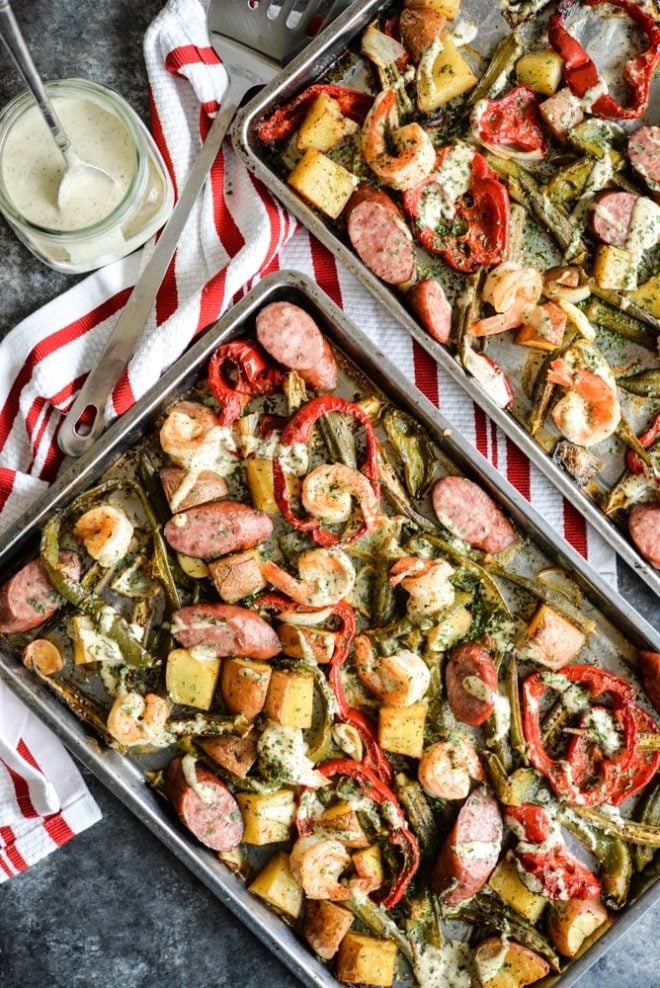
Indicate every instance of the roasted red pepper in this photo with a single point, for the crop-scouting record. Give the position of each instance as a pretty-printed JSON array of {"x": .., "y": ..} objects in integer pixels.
[
  {"x": 584, "y": 753},
  {"x": 374, "y": 756},
  {"x": 401, "y": 836},
  {"x": 533, "y": 822},
  {"x": 560, "y": 875},
  {"x": 512, "y": 122},
  {"x": 282, "y": 123},
  {"x": 648, "y": 439},
  {"x": 237, "y": 372},
  {"x": 568, "y": 778},
  {"x": 299, "y": 430},
  {"x": 477, "y": 231},
  {"x": 581, "y": 73}
]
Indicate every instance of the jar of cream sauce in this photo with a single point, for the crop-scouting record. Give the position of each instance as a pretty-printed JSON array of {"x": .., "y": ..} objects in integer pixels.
[{"x": 98, "y": 221}]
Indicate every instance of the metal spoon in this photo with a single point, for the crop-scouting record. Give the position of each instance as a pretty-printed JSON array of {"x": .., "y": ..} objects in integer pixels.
[{"x": 76, "y": 171}]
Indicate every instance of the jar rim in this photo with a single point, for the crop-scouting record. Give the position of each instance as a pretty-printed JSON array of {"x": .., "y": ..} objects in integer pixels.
[{"x": 113, "y": 102}]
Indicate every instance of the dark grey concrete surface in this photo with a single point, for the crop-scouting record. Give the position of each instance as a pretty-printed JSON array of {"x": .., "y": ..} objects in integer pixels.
[{"x": 113, "y": 908}]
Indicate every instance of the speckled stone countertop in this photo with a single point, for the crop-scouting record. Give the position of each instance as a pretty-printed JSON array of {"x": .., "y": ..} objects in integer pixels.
[{"x": 113, "y": 908}]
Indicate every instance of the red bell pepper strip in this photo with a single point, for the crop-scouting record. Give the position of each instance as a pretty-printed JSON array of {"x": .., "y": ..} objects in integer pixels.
[
  {"x": 401, "y": 836},
  {"x": 477, "y": 234},
  {"x": 282, "y": 123},
  {"x": 560, "y": 874},
  {"x": 299, "y": 430},
  {"x": 584, "y": 753},
  {"x": 612, "y": 772},
  {"x": 237, "y": 372},
  {"x": 533, "y": 822},
  {"x": 512, "y": 122},
  {"x": 581, "y": 73},
  {"x": 647, "y": 439},
  {"x": 374, "y": 756}
]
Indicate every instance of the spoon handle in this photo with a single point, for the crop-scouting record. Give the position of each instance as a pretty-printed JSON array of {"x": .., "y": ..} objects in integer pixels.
[{"x": 15, "y": 42}]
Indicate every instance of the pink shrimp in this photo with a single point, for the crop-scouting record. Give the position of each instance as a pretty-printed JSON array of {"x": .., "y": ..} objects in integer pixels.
[
  {"x": 413, "y": 155},
  {"x": 589, "y": 411}
]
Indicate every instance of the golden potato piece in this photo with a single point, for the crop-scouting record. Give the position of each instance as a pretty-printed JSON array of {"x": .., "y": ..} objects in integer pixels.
[
  {"x": 322, "y": 182},
  {"x": 541, "y": 70},
  {"x": 325, "y": 926},
  {"x": 365, "y": 960},
  {"x": 571, "y": 922},
  {"x": 401, "y": 729},
  {"x": 505, "y": 964},
  {"x": 276, "y": 885}
]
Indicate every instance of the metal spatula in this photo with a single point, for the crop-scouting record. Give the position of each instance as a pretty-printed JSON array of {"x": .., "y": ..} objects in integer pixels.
[{"x": 254, "y": 39}]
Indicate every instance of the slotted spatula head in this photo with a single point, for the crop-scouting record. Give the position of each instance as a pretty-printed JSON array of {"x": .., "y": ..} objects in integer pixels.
[{"x": 266, "y": 31}]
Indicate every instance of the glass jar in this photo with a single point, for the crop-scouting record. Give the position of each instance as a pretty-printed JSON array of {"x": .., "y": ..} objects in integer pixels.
[{"x": 86, "y": 234}]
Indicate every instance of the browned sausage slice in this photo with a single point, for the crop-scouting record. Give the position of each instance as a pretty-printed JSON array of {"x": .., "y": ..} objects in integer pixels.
[
  {"x": 379, "y": 234},
  {"x": 292, "y": 338},
  {"x": 231, "y": 630},
  {"x": 208, "y": 486},
  {"x": 431, "y": 307},
  {"x": 214, "y": 529},
  {"x": 204, "y": 804},
  {"x": 467, "y": 511},
  {"x": 471, "y": 680},
  {"x": 28, "y": 598},
  {"x": 471, "y": 849},
  {"x": 649, "y": 664},
  {"x": 644, "y": 528},
  {"x": 610, "y": 219},
  {"x": 644, "y": 154}
]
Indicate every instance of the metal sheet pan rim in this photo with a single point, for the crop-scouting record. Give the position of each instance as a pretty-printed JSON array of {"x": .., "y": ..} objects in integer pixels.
[
  {"x": 123, "y": 777},
  {"x": 288, "y": 82}
]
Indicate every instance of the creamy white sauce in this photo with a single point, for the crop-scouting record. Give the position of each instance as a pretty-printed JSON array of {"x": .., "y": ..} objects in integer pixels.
[
  {"x": 32, "y": 165},
  {"x": 282, "y": 750},
  {"x": 464, "y": 32},
  {"x": 476, "y": 687},
  {"x": 593, "y": 94},
  {"x": 501, "y": 716},
  {"x": 478, "y": 850},
  {"x": 644, "y": 229},
  {"x": 103, "y": 649},
  {"x": 599, "y": 176},
  {"x": 602, "y": 722},
  {"x": 216, "y": 451},
  {"x": 203, "y": 653},
  {"x": 204, "y": 792},
  {"x": 489, "y": 968}
]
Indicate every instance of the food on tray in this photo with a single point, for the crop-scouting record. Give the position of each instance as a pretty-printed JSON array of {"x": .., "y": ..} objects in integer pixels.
[
  {"x": 514, "y": 206},
  {"x": 358, "y": 671}
]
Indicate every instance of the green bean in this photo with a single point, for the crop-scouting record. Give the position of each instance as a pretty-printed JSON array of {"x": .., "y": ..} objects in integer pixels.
[
  {"x": 492, "y": 912},
  {"x": 647, "y": 812},
  {"x": 625, "y": 304},
  {"x": 612, "y": 853},
  {"x": 517, "y": 223},
  {"x": 606, "y": 316},
  {"x": 568, "y": 182},
  {"x": 377, "y": 920},
  {"x": 383, "y": 594},
  {"x": 553, "y": 598},
  {"x": 646, "y": 383},
  {"x": 207, "y": 726},
  {"x": 497, "y": 775},
  {"x": 149, "y": 476},
  {"x": 414, "y": 449},
  {"x": 524, "y": 188},
  {"x": 467, "y": 311},
  {"x": 506, "y": 52},
  {"x": 295, "y": 392},
  {"x": 419, "y": 813},
  {"x": 397, "y": 495},
  {"x": 628, "y": 830},
  {"x": 593, "y": 136},
  {"x": 161, "y": 562},
  {"x": 424, "y": 932},
  {"x": 516, "y": 731}
]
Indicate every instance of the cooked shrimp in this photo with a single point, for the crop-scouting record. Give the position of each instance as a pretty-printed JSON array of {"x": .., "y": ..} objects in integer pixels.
[
  {"x": 399, "y": 680},
  {"x": 317, "y": 864},
  {"x": 399, "y": 156},
  {"x": 589, "y": 411},
  {"x": 509, "y": 282},
  {"x": 136, "y": 719},
  {"x": 188, "y": 430},
  {"x": 105, "y": 532},
  {"x": 446, "y": 768},
  {"x": 427, "y": 583},
  {"x": 328, "y": 492},
  {"x": 326, "y": 577}
]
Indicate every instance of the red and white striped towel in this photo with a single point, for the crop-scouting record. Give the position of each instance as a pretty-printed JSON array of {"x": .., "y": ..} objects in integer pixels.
[
  {"x": 236, "y": 234},
  {"x": 43, "y": 799}
]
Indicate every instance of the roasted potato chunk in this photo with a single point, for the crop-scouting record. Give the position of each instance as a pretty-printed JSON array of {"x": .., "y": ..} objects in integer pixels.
[
  {"x": 365, "y": 960},
  {"x": 276, "y": 885},
  {"x": 571, "y": 922},
  {"x": 326, "y": 925}
]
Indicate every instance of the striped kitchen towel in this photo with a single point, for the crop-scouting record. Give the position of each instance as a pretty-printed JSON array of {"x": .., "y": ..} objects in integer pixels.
[
  {"x": 43, "y": 799},
  {"x": 236, "y": 234}
]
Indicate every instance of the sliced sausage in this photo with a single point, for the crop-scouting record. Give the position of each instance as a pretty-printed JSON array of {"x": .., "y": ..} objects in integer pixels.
[
  {"x": 649, "y": 664},
  {"x": 231, "y": 630},
  {"x": 467, "y": 511},
  {"x": 431, "y": 307},
  {"x": 644, "y": 528},
  {"x": 292, "y": 338},
  {"x": 379, "y": 234},
  {"x": 471, "y": 680},
  {"x": 217, "y": 528},
  {"x": 611, "y": 215},
  {"x": 28, "y": 598},
  {"x": 644, "y": 154},
  {"x": 204, "y": 804},
  {"x": 471, "y": 849},
  {"x": 208, "y": 486}
]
